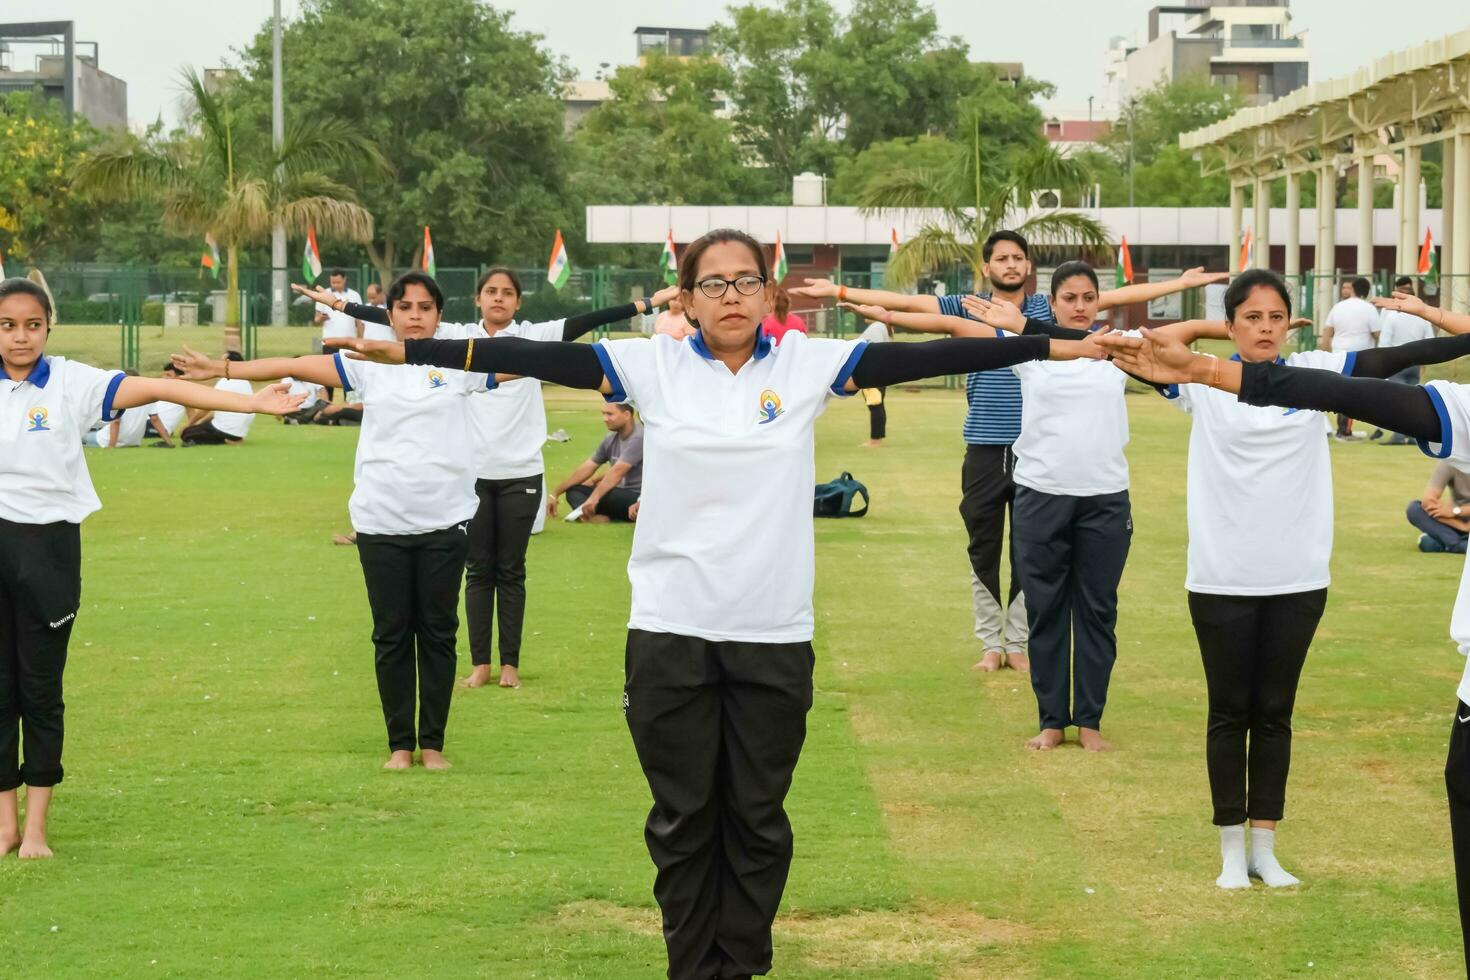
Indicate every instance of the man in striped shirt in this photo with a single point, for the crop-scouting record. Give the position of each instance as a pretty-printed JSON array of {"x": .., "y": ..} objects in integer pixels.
[{"x": 992, "y": 425}]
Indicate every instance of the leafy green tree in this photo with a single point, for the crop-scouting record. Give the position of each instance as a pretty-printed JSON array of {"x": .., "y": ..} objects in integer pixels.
[
  {"x": 467, "y": 112},
  {"x": 42, "y": 212},
  {"x": 225, "y": 179}
]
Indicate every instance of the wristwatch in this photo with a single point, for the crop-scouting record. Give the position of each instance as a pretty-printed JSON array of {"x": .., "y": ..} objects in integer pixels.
[{"x": 1455, "y": 510}]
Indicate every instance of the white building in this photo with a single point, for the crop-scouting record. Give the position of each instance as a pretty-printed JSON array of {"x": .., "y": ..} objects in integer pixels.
[{"x": 1244, "y": 45}]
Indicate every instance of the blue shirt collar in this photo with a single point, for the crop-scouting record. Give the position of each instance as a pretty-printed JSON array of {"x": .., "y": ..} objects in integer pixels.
[
  {"x": 762, "y": 344},
  {"x": 41, "y": 372}
]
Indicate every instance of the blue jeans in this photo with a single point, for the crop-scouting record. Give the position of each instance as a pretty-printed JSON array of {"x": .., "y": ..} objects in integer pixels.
[{"x": 1451, "y": 539}]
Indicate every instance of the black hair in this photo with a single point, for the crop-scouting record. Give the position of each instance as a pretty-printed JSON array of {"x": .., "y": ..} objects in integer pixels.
[
  {"x": 689, "y": 261},
  {"x": 234, "y": 355},
  {"x": 1070, "y": 270},
  {"x": 500, "y": 270},
  {"x": 1362, "y": 287},
  {"x": 24, "y": 287},
  {"x": 172, "y": 368},
  {"x": 1005, "y": 235},
  {"x": 401, "y": 284},
  {"x": 337, "y": 272},
  {"x": 1406, "y": 284},
  {"x": 1248, "y": 282}
]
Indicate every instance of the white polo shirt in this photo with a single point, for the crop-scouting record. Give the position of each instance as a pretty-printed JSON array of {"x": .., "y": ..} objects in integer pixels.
[
  {"x": 723, "y": 547},
  {"x": 171, "y": 415},
  {"x": 1354, "y": 321},
  {"x": 1260, "y": 484},
  {"x": 130, "y": 428},
  {"x": 313, "y": 392},
  {"x": 415, "y": 465},
  {"x": 1397, "y": 328},
  {"x": 338, "y": 324},
  {"x": 372, "y": 330},
  {"x": 43, "y": 473},
  {"x": 509, "y": 423},
  {"x": 1074, "y": 425},
  {"x": 1452, "y": 402},
  {"x": 234, "y": 424}
]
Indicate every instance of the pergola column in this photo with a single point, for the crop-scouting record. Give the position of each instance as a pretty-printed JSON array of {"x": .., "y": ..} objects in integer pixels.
[
  {"x": 1261, "y": 223},
  {"x": 1293, "y": 264},
  {"x": 1448, "y": 245},
  {"x": 1409, "y": 216},
  {"x": 1363, "y": 147},
  {"x": 1237, "y": 222},
  {"x": 1461, "y": 257},
  {"x": 1326, "y": 258}
]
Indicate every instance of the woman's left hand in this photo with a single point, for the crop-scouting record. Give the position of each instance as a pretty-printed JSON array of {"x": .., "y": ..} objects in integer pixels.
[
  {"x": 274, "y": 400},
  {"x": 195, "y": 366},
  {"x": 997, "y": 313},
  {"x": 874, "y": 314},
  {"x": 1196, "y": 277},
  {"x": 1155, "y": 356},
  {"x": 379, "y": 351},
  {"x": 662, "y": 297}
]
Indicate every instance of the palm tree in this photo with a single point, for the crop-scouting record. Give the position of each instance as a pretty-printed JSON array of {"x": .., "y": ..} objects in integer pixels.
[
  {"x": 225, "y": 179},
  {"x": 976, "y": 196}
]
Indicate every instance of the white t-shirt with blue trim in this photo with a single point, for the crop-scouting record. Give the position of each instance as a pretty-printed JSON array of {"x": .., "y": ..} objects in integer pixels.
[
  {"x": 43, "y": 473},
  {"x": 1259, "y": 491},
  {"x": 415, "y": 465},
  {"x": 724, "y": 548},
  {"x": 1452, "y": 403}
]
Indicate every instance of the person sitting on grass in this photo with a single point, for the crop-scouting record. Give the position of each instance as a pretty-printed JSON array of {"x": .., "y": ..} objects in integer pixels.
[
  {"x": 1445, "y": 525},
  {"x": 314, "y": 403},
  {"x": 349, "y": 413},
  {"x": 220, "y": 428},
  {"x": 615, "y": 496}
]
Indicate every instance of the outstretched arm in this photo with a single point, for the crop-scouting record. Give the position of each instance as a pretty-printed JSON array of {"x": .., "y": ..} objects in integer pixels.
[
  {"x": 317, "y": 368},
  {"x": 892, "y": 364},
  {"x": 1385, "y": 362},
  {"x": 955, "y": 326},
  {"x": 1437, "y": 315},
  {"x": 584, "y": 323},
  {"x": 1145, "y": 291},
  {"x": 898, "y": 302},
  {"x": 268, "y": 401},
  {"x": 358, "y": 311},
  {"x": 571, "y": 365}
]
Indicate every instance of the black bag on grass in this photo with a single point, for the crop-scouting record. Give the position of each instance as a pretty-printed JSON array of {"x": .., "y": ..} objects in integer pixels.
[{"x": 835, "y": 499}]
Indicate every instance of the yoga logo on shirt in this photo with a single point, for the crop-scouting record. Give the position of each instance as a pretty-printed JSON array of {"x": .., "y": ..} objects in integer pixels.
[
  {"x": 38, "y": 418},
  {"x": 436, "y": 379},
  {"x": 770, "y": 406}
]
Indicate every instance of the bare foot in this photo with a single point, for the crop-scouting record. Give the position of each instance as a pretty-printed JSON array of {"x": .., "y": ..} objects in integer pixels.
[
  {"x": 9, "y": 841},
  {"x": 1092, "y": 740},
  {"x": 434, "y": 759},
  {"x": 509, "y": 676},
  {"x": 34, "y": 846},
  {"x": 990, "y": 662},
  {"x": 1049, "y": 739},
  {"x": 479, "y": 677},
  {"x": 400, "y": 759},
  {"x": 871, "y": 443},
  {"x": 1018, "y": 662},
  {"x": 344, "y": 539}
]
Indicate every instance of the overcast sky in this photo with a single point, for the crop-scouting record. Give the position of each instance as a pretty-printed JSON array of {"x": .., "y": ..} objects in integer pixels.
[{"x": 145, "y": 42}]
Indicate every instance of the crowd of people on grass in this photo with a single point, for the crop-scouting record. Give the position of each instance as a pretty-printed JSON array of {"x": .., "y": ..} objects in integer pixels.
[{"x": 710, "y": 432}]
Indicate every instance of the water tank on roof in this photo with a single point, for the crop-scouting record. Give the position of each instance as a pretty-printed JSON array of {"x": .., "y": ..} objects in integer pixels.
[{"x": 809, "y": 190}]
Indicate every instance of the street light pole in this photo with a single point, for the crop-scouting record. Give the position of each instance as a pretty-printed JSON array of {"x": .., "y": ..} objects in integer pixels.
[{"x": 278, "y": 136}]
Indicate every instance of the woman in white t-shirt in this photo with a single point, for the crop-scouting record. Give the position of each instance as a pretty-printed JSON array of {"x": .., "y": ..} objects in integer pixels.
[
  {"x": 1260, "y": 540},
  {"x": 509, "y": 428},
  {"x": 413, "y": 499},
  {"x": 719, "y": 654},
  {"x": 46, "y": 404}
]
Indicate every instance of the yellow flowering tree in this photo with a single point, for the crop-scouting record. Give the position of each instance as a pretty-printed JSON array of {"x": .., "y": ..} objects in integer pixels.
[{"x": 40, "y": 152}]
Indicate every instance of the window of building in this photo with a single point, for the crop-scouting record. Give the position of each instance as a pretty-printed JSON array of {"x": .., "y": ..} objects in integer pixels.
[{"x": 800, "y": 254}]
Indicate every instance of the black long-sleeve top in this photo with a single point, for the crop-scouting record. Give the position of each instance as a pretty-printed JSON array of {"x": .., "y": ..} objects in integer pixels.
[
  {"x": 574, "y": 327},
  {"x": 577, "y": 365}
]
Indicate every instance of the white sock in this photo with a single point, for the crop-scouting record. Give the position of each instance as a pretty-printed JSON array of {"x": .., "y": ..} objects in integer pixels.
[
  {"x": 1233, "y": 873},
  {"x": 1263, "y": 863}
]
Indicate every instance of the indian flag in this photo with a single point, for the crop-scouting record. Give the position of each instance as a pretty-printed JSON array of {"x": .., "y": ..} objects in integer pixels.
[
  {"x": 428, "y": 264},
  {"x": 559, "y": 270},
  {"x": 311, "y": 262},
  {"x": 1429, "y": 259},
  {"x": 1245, "y": 251},
  {"x": 210, "y": 259},
  {"x": 1123, "y": 271},
  {"x": 668, "y": 262},
  {"x": 781, "y": 266}
]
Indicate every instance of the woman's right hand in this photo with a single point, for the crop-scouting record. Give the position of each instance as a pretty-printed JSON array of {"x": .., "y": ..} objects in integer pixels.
[
  {"x": 998, "y": 313},
  {"x": 325, "y": 297},
  {"x": 195, "y": 366},
  {"x": 379, "y": 351},
  {"x": 873, "y": 314},
  {"x": 815, "y": 288},
  {"x": 1155, "y": 356}
]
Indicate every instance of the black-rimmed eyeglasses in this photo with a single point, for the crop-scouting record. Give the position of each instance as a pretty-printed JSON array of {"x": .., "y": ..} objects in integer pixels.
[{"x": 714, "y": 287}]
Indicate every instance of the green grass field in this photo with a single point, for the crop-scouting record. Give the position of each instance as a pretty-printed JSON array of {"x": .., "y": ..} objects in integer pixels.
[{"x": 224, "y": 813}]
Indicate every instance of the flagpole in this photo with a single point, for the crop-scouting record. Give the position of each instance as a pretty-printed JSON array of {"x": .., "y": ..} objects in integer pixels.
[{"x": 278, "y": 136}]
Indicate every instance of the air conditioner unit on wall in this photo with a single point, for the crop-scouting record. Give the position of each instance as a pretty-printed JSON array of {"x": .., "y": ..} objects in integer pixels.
[{"x": 1048, "y": 199}]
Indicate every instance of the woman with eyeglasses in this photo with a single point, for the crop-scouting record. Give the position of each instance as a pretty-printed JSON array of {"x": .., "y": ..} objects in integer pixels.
[{"x": 719, "y": 653}]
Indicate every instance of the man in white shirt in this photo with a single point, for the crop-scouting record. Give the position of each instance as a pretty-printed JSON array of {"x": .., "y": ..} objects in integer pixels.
[
  {"x": 336, "y": 324},
  {"x": 1352, "y": 325},
  {"x": 377, "y": 331},
  {"x": 1395, "y": 329}
]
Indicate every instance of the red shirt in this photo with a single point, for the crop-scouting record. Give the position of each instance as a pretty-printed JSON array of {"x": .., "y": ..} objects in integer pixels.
[{"x": 775, "y": 329}]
